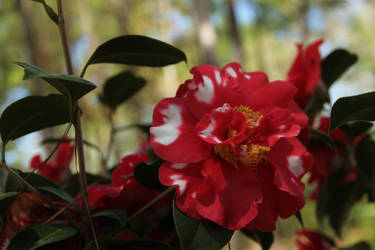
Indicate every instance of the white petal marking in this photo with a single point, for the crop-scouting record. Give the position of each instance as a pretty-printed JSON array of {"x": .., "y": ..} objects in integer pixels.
[
  {"x": 179, "y": 165},
  {"x": 218, "y": 77},
  {"x": 247, "y": 76},
  {"x": 207, "y": 132},
  {"x": 224, "y": 108},
  {"x": 231, "y": 72},
  {"x": 168, "y": 132},
  {"x": 181, "y": 184},
  {"x": 192, "y": 85},
  {"x": 295, "y": 165},
  {"x": 205, "y": 91}
]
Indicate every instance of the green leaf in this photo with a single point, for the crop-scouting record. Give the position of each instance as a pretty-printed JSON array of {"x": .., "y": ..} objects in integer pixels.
[
  {"x": 73, "y": 188},
  {"x": 69, "y": 86},
  {"x": 353, "y": 108},
  {"x": 365, "y": 157},
  {"x": 265, "y": 239},
  {"x": 148, "y": 175},
  {"x": 31, "y": 114},
  {"x": 115, "y": 214},
  {"x": 323, "y": 137},
  {"x": 35, "y": 180},
  {"x": 6, "y": 199},
  {"x": 354, "y": 129},
  {"x": 111, "y": 243},
  {"x": 50, "y": 12},
  {"x": 335, "y": 64},
  {"x": 336, "y": 198},
  {"x": 196, "y": 234},
  {"x": 298, "y": 215},
  {"x": 41, "y": 235},
  {"x": 358, "y": 246},
  {"x": 136, "y": 50},
  {"x": 58, "y": 192},
  {"x": 120, "y": 88}
]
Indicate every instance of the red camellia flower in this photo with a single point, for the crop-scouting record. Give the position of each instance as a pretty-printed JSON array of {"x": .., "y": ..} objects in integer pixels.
[
  {"x": 309, "y": 240},
  {"x": 324, "y": 155},
  {"x": 229, "y": 141},
  {"x": 57, "y": 171},
  {"x": 305, "y": 72}
]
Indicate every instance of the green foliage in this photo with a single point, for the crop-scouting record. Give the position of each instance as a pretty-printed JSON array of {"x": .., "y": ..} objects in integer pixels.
[
  {"x": 148, "y": 175},
  {"x": 69, "y": 86},
  {"x": 31, "y": 114},
  {"x": 136, "y": 50},
  {"x": 72, "y": 186},
  {"x": 110, "y": 221},
  {"x": 120, "y": 88},
  {"x": 298, "y": 215},
  {"x": 50, "y": 12},
  {"x": 115, "y": 214},
  {"x": 37, "y": 181},
  {"x": 323, "y": 137},
  {"x": 58, "y": 192},
  {"x": 335, "y": 64},
  {"x": 354, "y": 129},
  {"x": 196, "y": 234},
  {"x": 6, "y": 200},
  {"x": 336, "y": 198},
  {"x": 41, "y": 235},
  {"x": 358, "y": 246},
  {"x": 353, "y": 108},
  {"x": 111, "y": 243},
  {"x": 365, "y": 157},
  {"x": 265, "y": 239}
]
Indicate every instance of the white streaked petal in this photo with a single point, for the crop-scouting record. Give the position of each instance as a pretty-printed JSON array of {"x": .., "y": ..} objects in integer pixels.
[
  {"x": 205, "y": 91},
  {"x": 231, "y": 72},
  {"x": 295, "y": 165},
  {"x": 169, "y": 131}
]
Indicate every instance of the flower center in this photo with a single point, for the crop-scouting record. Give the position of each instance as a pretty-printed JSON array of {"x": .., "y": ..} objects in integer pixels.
[{"x": 248, "y": 153}]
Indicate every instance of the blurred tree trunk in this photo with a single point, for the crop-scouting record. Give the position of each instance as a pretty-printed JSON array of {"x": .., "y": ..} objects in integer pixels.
[
  {"x": 206, "y": 32},
  {"x": 238, "y": 54},
  {"x": 302, "y": 11},
  {"x": 259, "y": 50}
]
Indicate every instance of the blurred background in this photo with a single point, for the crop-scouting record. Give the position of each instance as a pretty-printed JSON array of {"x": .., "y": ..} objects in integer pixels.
[{"x": 260, "y": 34}]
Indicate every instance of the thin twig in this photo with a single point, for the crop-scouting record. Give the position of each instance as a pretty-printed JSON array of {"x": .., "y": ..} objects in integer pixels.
[
  {"x": 77, "y": 125},
  {"x": 110, "y": 144},
  {"x": 149, "y": 204}
]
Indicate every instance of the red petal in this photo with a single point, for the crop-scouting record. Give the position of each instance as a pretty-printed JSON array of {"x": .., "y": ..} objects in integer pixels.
[
  {"x": 291, "y": 161},
  {"x": 275, "y": 202},
  {"x": 126, "y": 167},
  {"x": 173, "y": 134}
]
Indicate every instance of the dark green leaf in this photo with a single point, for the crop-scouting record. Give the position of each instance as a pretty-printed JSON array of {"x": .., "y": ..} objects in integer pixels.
[
  {"x": 335, "y": 64},
  {"x": 35, "y": 180},
  {"x": 145, "y": 128},
  {"x": 31, "y": 114},
  {"x": 50, "y": 12},
  {"x": 358, "y": 246},
  {"x": 298, "y": 215},
  {"x": 41, "y": 235},
  {"x": 111, "y": 243},
  {"x": 6, "y": 199},
  {"x": 265, "y": 239},
  {"x": 353, "y": 129},
  {"x": 115, "y": 214},
  {"x": 136, "y": 50},
  {"x": 148, "y": 175},
  {"x": 336, "y": 198},
  {"x": 365, "y": 157},
  {"x": 196, "y": 234},
  {"x": 72, "y": 186},
  {"x": 353, "y": 108},
  {"x": 324, "y": 137},
  {"x": 120, "y": 88},
  {"x": 69, "y": 86},
  {"x": 58, "y": 192}
]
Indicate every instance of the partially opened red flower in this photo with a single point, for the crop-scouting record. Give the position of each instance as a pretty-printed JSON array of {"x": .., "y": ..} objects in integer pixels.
[
  {"x": 307, "y": 239},
  {"x": 229, "y": 141},
  {"x": 324, "y": 155},
  {"x": 305, "y": 72},
  {"x": 58, "y": 170}
]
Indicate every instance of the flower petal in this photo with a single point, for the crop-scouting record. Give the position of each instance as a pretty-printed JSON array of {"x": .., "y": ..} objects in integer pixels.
[
  {"x": 275, "y": 202},
  {"x": 291, "y": 161},
  {"x": 126, "y": 167},
  {"x": 173, "y": 135}
]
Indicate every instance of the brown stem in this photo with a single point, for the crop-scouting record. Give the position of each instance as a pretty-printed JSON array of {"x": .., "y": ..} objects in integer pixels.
[
  {"x": 110, "y": 144},
  {"x": 77, "y": 124},
  {"x": 64, "y": 40}
]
